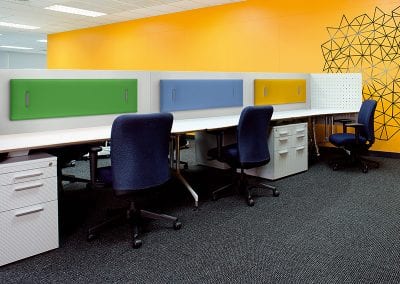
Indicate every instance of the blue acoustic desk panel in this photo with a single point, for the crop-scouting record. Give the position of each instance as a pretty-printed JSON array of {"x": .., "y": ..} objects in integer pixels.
[{"x": 177, "y": 95}]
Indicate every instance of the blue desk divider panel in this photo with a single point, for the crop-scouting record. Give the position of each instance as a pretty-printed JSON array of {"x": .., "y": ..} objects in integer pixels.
[{"x": 177, "y": 95}]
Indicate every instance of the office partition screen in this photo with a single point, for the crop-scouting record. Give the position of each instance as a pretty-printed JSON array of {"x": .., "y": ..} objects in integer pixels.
[
  {"x": 279, "y": 91},
  {"x": 47, "y": 98},
  {"x": 178, "y": 95}
]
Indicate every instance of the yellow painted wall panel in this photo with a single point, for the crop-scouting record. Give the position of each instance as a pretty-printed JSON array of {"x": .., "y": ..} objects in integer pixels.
[
  {"x": 253, "y": 35},
  {"x": 250, "y": 36},
  {"x": 279, "y": 91}
]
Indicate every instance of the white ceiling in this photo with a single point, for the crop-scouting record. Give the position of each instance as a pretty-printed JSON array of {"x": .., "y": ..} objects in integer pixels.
[{"x": 32, "y": 12}]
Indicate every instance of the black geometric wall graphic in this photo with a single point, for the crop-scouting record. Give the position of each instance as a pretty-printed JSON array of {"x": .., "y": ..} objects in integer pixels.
[{"x": 370, "y": 45}]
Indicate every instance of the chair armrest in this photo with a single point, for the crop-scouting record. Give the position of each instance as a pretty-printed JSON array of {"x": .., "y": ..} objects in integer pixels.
[
  {"x": 219, "y": 133},
  {"x": 344, "y": 121},
  {"x": 357, "y": 126},
  {"x": 95, "y": 149},
  {"x": 93, "y": 157}
]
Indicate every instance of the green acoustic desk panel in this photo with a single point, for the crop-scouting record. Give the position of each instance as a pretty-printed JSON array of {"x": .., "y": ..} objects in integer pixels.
[{"x": 46, "y": 98}]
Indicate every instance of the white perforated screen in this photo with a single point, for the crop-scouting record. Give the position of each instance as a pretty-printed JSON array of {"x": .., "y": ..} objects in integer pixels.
[{"x": 339, "y": 90}]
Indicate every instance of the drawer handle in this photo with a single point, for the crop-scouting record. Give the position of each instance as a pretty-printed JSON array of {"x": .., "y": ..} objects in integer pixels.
[
  {"x": 283, "y": 133},
  {"x": 299, "y": 130},
  {"x": 35, "y": 174},
  {"x": 283, "y": 152},
  {"x": 300, "y": 136},
  {"x": 300, "y": 148},
  {"x": 21, "y": 188},
  {"x": 29, "y": 211},
  {"x": 265, "y": 92},
  {"x": 283, "y": 139}
]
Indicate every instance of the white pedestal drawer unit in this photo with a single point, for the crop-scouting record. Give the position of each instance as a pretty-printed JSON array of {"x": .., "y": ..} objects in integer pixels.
[
  {"x": 28, "y": 206},
  {"x": 288, "y": 150}
]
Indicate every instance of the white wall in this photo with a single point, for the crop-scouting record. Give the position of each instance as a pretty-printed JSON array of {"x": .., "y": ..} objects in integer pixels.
[{"x": 20, "y": 60}]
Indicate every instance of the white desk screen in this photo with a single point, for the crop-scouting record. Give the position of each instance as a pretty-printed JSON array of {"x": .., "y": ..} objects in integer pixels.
[{"x": 339, "y": 90}]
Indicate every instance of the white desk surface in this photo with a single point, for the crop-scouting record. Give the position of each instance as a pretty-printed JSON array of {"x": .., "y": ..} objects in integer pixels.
[{"x": 36, "y": 140}]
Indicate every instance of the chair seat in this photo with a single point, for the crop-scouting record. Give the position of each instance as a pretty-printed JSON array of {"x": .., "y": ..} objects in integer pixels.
[
  {"x": 345, "y": 139},
  {"x": 230, "y": 155}
]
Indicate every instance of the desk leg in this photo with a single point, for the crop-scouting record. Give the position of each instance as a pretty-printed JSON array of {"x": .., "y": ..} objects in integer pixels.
[
  {"x": 171, "y": 153},
  {"x": 328, "y": 126},
  {"x": 313, "y": 123},
  {"x": 178, "y": 171}
]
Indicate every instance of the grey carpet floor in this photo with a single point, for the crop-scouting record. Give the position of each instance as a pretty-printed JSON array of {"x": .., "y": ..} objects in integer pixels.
[{"x": 325, "y": 227}]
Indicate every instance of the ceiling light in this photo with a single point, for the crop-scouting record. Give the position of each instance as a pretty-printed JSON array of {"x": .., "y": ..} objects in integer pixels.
[
  {"x": 15, "y": 47},
  {"x": 18, "y": 26},
  {"x": 72, "y": 10},
  {"x": 42, "y": 40}
]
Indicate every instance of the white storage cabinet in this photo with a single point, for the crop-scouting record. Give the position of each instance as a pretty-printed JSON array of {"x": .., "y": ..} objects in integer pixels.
[
  {"x": 288, "y": 147},
  {"x": 28, "y": 206}
]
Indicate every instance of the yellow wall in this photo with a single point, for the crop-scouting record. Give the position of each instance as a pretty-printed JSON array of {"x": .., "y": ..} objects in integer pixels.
[{"x": 254, "y": 35}]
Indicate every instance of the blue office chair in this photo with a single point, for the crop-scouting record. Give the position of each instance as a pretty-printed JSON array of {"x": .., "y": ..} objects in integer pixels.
[
  {"x": 358, "y": 143},
  {"x": 139, "y": 164},
  {"x": 250, "y": 150}
]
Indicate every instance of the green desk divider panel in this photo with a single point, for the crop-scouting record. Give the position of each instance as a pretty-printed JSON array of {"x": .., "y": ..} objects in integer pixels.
[{"x": 46, "y": 98}]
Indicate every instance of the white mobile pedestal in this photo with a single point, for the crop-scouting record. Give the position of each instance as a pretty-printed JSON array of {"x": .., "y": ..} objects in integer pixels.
[
  {"x": 28, "y": 206},
  {"x": 288, "y": 152},
  {"x": 288, "y": 148}
]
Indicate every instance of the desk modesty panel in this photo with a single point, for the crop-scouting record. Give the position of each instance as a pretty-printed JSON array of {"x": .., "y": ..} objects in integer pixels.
[{"x": 46, "y": 98}]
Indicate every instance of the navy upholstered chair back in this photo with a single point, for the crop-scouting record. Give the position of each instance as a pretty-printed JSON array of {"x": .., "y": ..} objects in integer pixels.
[
  {"x": 252, "y": 135},
  {"x": 249, "y": 151},
  {"x": 139, "y": 151},
  {"x": 366, "y": 117}
]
